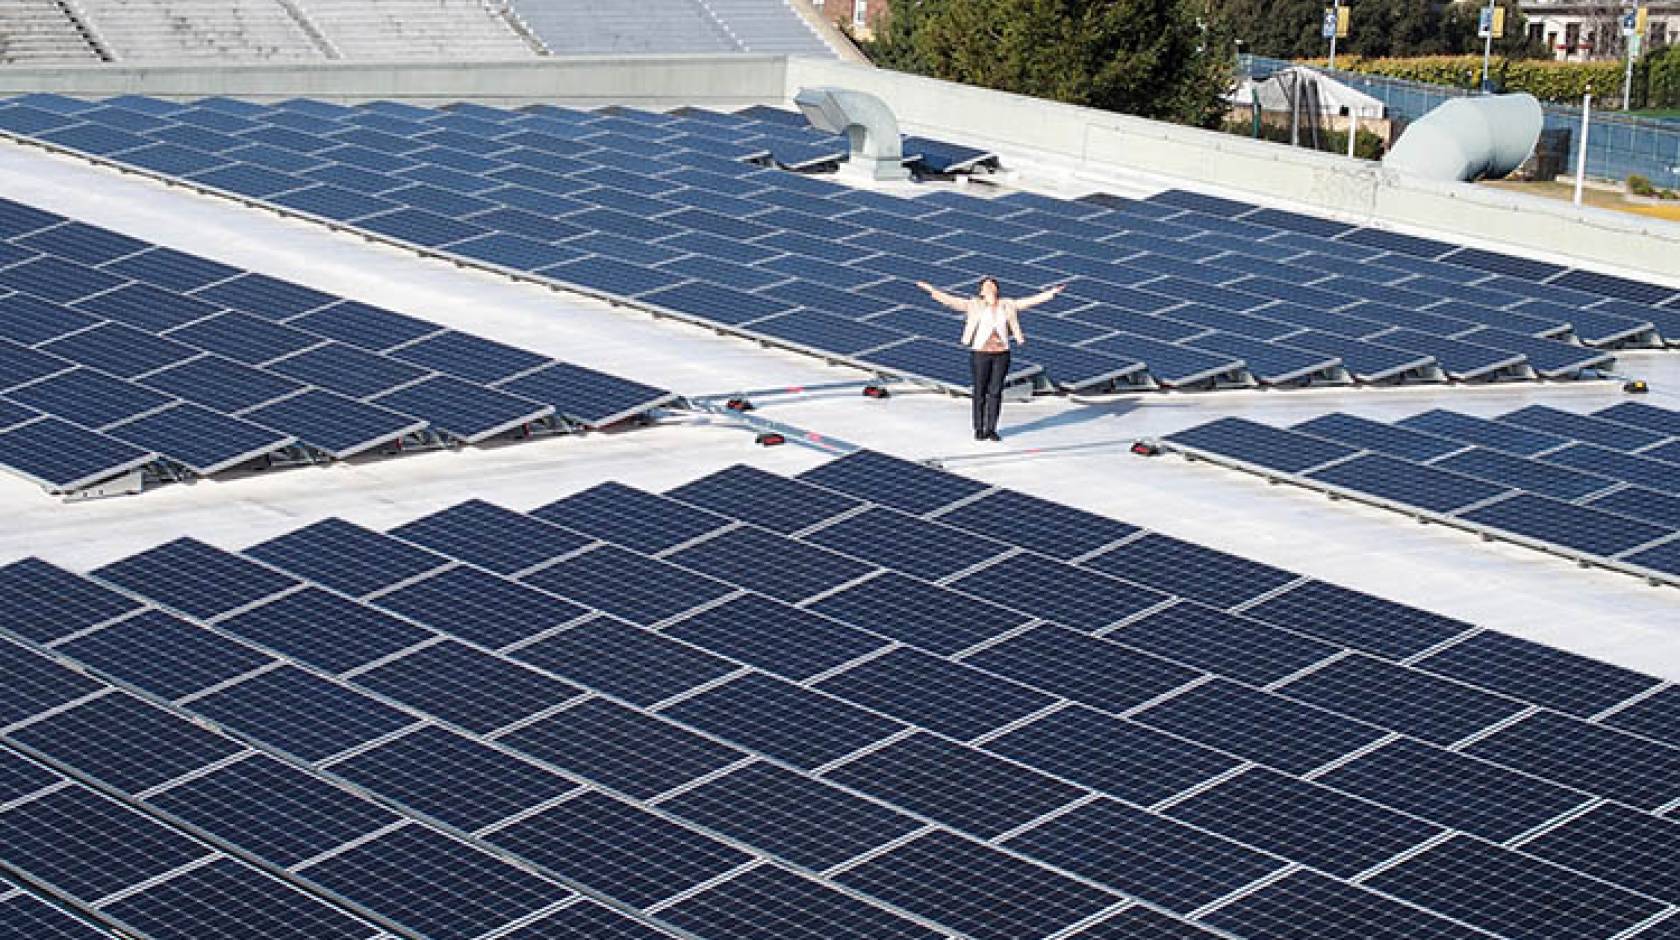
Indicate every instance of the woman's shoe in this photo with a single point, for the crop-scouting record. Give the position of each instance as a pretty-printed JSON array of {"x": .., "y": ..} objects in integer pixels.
[{"x": 993, "y": 436}]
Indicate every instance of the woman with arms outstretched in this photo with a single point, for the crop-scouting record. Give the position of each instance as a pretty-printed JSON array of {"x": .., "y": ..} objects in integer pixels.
[{"x": 991, "y": 322}]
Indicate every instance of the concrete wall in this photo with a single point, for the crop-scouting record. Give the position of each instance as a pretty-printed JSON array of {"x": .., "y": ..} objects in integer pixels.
[
  {"x": 652, "y": 81},
  {"x": 1099, "y": 145},
  {"x": 1094, "y": 148}
]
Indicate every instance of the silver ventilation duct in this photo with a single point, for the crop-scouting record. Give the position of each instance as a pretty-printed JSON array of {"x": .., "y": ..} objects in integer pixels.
[
  {"x": 877, "y": 149},
  {"x": 1468, "y": 139}
]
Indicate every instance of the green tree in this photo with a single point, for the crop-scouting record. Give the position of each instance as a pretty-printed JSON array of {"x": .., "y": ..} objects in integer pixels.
[
  {"x": 1460, "y": 22},
  {"x": 1152, "y": 58}
]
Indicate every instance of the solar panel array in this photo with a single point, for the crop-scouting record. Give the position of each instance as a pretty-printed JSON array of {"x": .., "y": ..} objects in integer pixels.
[
  {"x": 874, "y": 701},
  {"x": 1601, "y": 487},
  {"x": 676, "y": 213},
  {"x": 117, "y": 354}
]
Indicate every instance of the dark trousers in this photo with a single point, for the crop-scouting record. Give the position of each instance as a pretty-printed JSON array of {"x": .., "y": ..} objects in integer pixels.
[{"x": 989, "y": 371}]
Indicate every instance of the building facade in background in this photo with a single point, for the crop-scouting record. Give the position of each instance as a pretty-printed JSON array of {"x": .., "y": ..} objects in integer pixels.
[{"x": 1577, "y": 31}]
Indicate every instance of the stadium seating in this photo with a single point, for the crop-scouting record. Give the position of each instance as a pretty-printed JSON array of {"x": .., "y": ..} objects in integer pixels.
[
  {"x": 575, "y": 27},
  {"x": 767, "y": 26},
  {"x": 245, "y": 30},
  {"x": 416, "y": 29},
  {"x": 41, "y": 31}
]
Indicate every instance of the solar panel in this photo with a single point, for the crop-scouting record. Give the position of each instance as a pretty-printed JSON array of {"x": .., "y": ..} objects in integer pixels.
[
  {"x": 228, "y": 899},
  {"x": 928, "y": 550},
  {"x": 220, "y": 384},
  {"x": 338, "y": 426},
  {"x": 479, "y": 607},
  {"x": 641, "y": 521},
  {"x": 947, "y": 697},
  {"x": 1600, "y": 760},
  {"x": 36, "y": 684},
  {"x": 1362, "y": 621},
  {"x": 625, "y": 661},
  {"x": 764, "y": 499},
  {"x": 434, "y": 885},
  {"x": 88, "y": 398},
  {"x": 267, "y": 297},
  {"x": 248, "y": 339},
  {"x": 347, "y": 370},
  {"x": 982, "y": 891},
  {"x": 1406, "y": 700},
  {"x": 1305, "y": 900},
  {"x": 1612, "y": 434},
  {"x": 593, "y": 399},
  {"x": 204, "y": 441},
  {"x": 20, "y": 364},
  {"x": 1328, "y": 830},
  {"x": 364, "y": 325},
  {"x": 629, "y": 751},
  {"x": 1624, "y": 846},
  {"x": 771, "y": 564},
  {"x": 1085, "y": 669},
  {"x": 586, "y": 920},
  {"x": 776, "y": 637},
  {"x": 346, "y": 557},
  {"x": 1167, "y": 564},
  {"x": 892, "y": 481},
  {"x": 194, "y": 578},
  {"x": 770, "y": 902},
  {"x": 1390, "y": 439},
  {"x": 19, "y": 778},
  {"x": 1634, "y": 468},
  {"x": 790, "y": 815},
  {"x": 325, "y": 630},
  {"x": 43, "y": 603},
  {"x": 491, "y": 537},
  {"x": 1649, "y": 417},
  {"x": 88, "y": 846},
  {"x": 164, "y": 655},
  {"x": 283, "y": 814},
  {"x": 606, "y": 844},
  {"x": 300, "y": 714},
  {"x": 639, "y": 589},
  {"x": 125, "y": 743},
  {"x": 783, "y": 720},
  {"x": 62, "y": 457},
  {"x": 1514, "y": 895},
  {"x": 452, "y": 778},
  {"x": 966, "y": 789},
  {"x": 1655, "y": 716},
  {"x": 1582, "y": 528},
  {"x": 1225, "y": 644},
  {"x": 1408, "y": 483},
  {"x": 1552, "y": 677},
  {"x": 822, "y": 333},
  {"x": 25, "y": 915},
  {"x": 1074, "y": 597},
  {"x": 919, "y": 613},
  {"x": 1259, "y": 726},
  {"x": 1497, "y": 435}
]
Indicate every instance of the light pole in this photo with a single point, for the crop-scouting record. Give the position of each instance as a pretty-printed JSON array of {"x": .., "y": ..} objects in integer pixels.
[
  {"x": 1487, "y": 42},
  {"x": 1333, "y": 27}
]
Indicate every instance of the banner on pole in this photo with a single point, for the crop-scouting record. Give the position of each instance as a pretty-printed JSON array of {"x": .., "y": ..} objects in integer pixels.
[{"x": 1491, "y": 24}]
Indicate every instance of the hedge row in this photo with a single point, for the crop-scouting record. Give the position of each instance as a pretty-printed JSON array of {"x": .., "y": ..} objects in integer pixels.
[{"x": 1543, "y": 78}]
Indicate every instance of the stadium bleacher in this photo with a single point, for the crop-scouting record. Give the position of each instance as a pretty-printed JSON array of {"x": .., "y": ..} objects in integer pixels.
[
  {"x": 384, "y": 30},
  {"x": 184, "y": 30},
  {"x": 43, "y": 31}
]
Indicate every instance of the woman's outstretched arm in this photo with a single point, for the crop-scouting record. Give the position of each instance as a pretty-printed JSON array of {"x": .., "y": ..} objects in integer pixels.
[
  {"x": 949, "y": 300},
  {"x": 1040, "y": 297}
]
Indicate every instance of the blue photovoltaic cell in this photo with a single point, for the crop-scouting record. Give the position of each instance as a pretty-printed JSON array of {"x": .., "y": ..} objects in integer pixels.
[
  {"x": 13, "y": 414},
  {"x": 1599, "y": 760},
  {"x": 1195, "y": 571},
  {"x": 1362, "y": 621},
  {"x": 625, "y": 661},
  {"x": 1632, "y": 849},
  {"x": 979, "y": 890},
  {"x": 166, "y": 656},
  {"x": 341, "y": 427},
  {"x": 29, "y": 320},
  {"x": 945, "y": 696},
  {"x": 194, "y": 578},
  {"x": 1514, "y": 895},
  {"x": 776, "y": 637},
  {"x": 1579, "y": 527},
  {"x": 1535, "y": 476},
  {"x": 479, "y": 607},
  {"x": 587, "y": 920},
  {"x": 771, "y": 903},
  {"x": 771, "y": 564},
  {"x": 920, "y": 614},
  {"x": 43, "y": 603},
  {"x": 144, "y": 306},
  {"x": 621, "y": 748},
  {"x": 1649, "y": 417},
  {"x": 325, "y": 630},
  {"x": 228, "y": 899},
  {"x": 1406, "y": 700},
  {"x": 348, "y": 370},
  {"x": 1454, "y": 790},
  {"x": 1142, "y": 923},
  {"x": 593, "y": 399},
  {"x": 469, "y": 357},
  {"x": 638, "y": 520},
  {"x": 300, "y": 714},
  {"x": 1259, "y": 444},
  {"x": 792, "y": 816},
  {"x": 1086, "y": 669},
  {"x": 125, "y": 742},
  {"x": 1497, "y": 435},
  {"x": 220, "y": 384},
  {"x": 1144, "y": 855},
  {"x": 1582, "y": 427},
  {"x": 36, "y": 684},
  {"x": 464, "y": 783},
  {"x": 202, "y": 440},
  {"x": 764, "y": 499},
  {"x": 20, "y": 778},
  {"x": 1299, "y": 820},
  {"x": 346, "y": 557},
  {"x": 1039, "y": 524},
  {"x": 1111, "y": 755},
  {"x": 88, "y": 846},
  {"x": 61, "y": 456},
  {"x": 1308, "y": 901},
  {"x": 27, "y": 917},
  {"x": 901, "y": 484},
  {"x": 436, "y": 886},
  {"x": 364, "y": 325},
  {"x": 1074, "y": 597},
  {"x": 267, "y": 297},
  {"x": 1393, "y": 440},
  {"x": 783, "y": 720},
  {"x": 491, "y": 537},
  {"x": 966, "y": 789},
  {"x": 628, "y": 853},
  {"x": 1633, "y": 468},
  {"x": 420, "y": 227},
  {"x": 1655, "y": 716},
  {"x": 88, "y": 398},
  {"x": 272, "y": 809},
  {"x": 246, "y": 338},
  {"x": 905, "y": 543},
  {"x": 1536, "y": 673},
  {"x": 1222, "y": 643},
  {"x": 1260, "y": 726},
  {"x": 640, "y": 589}
]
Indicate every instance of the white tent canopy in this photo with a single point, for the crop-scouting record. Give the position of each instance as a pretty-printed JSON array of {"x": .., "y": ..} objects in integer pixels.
[{"x": 1334, "y": 97}]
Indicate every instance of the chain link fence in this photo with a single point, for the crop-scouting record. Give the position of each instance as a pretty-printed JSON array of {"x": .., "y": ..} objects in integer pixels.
[{"x": 1617, "y": 144}]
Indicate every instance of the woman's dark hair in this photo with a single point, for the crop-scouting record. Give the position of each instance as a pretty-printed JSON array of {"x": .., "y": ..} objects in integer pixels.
[{"x": 995, "y": 285}]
